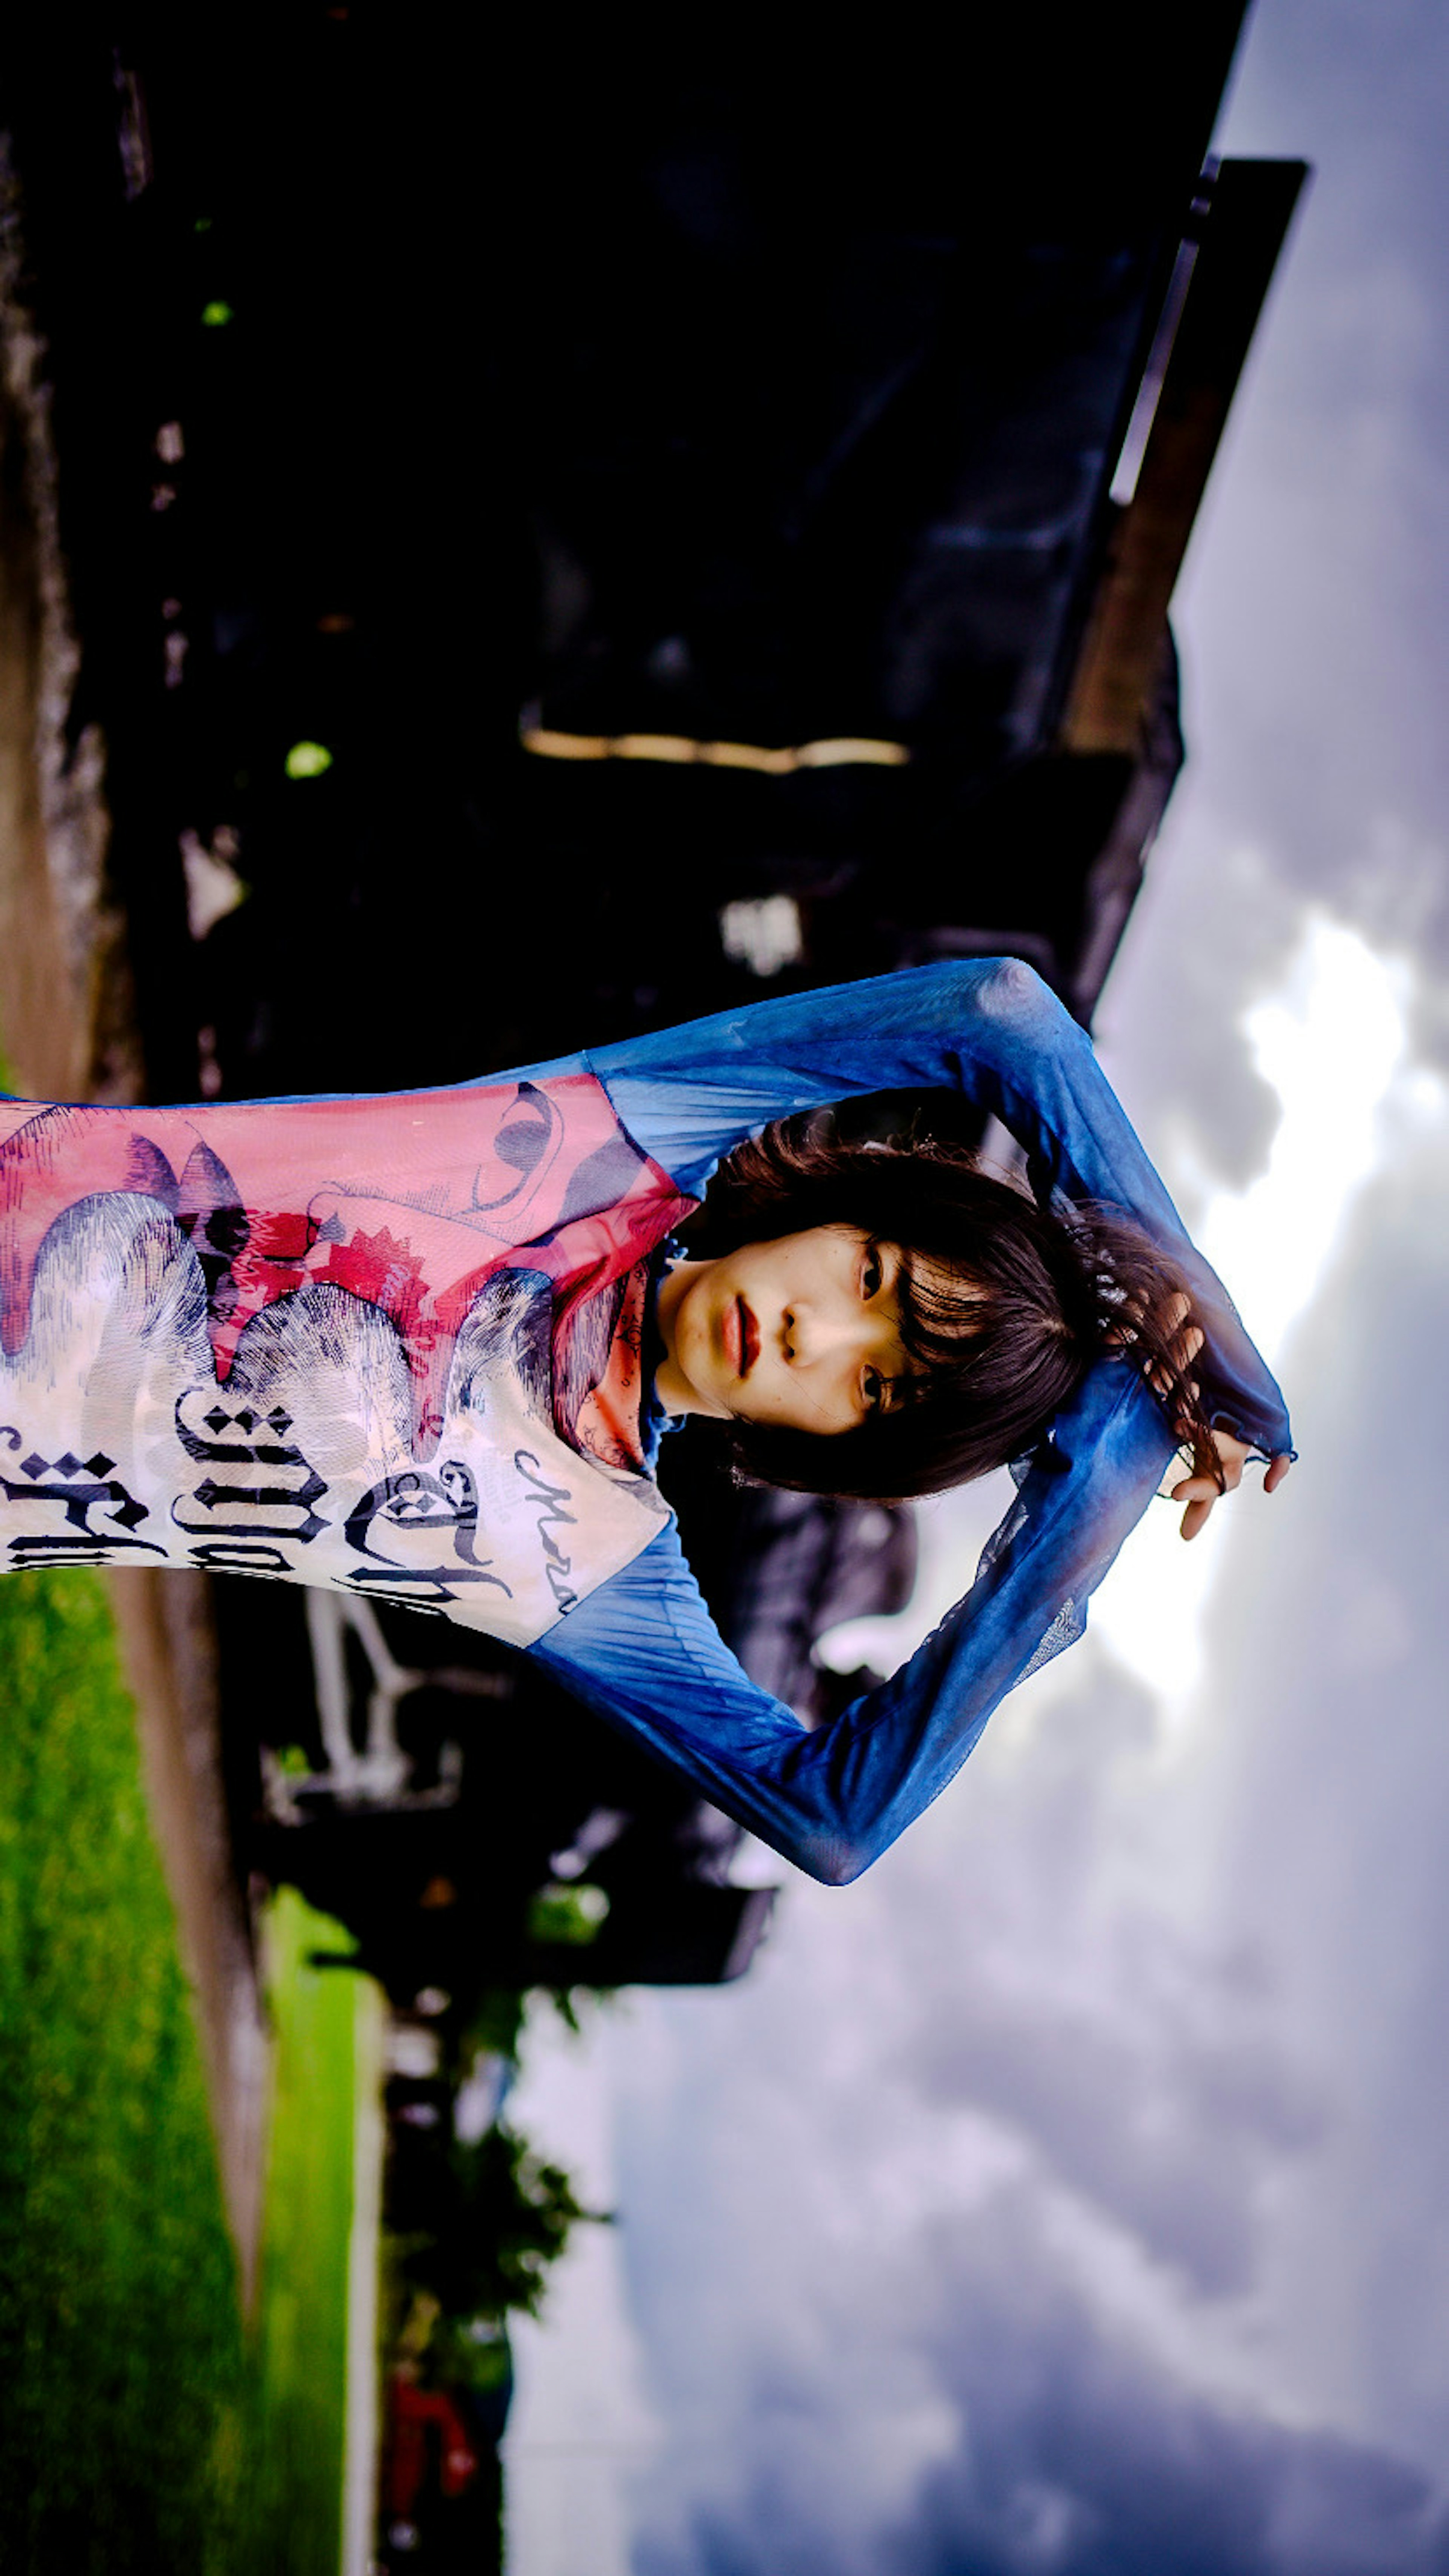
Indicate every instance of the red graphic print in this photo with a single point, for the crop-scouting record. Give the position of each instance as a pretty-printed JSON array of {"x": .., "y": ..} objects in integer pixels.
[{"x": 409, "y": 1203}]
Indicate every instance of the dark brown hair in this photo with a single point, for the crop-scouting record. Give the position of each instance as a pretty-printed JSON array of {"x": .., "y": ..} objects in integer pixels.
[{"x": 1005, "y": 1306}]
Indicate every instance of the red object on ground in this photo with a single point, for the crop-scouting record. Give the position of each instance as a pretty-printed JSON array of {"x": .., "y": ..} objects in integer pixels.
[{"x": 411, "y": 2412}]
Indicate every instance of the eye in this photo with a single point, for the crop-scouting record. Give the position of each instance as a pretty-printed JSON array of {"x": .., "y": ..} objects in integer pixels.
[
  {"x": 872, "y": 1390},
  {"x": 871, "y": 1272}
]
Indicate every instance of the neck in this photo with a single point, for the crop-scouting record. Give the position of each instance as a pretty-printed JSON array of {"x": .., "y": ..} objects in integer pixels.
[
  {"x": 671, "y": 1385},
  {"x": 671, "y": 1388}
]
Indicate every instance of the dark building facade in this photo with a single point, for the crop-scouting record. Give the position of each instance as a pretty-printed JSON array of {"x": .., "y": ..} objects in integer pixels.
[{"x": 566, "y": 536}]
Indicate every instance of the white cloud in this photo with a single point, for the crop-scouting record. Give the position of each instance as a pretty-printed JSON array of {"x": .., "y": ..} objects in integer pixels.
[{"x": 1332, "y": 1043}]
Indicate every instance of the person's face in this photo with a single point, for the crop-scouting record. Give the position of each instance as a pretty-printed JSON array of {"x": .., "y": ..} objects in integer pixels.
[{"x": 802, "y": 1334}]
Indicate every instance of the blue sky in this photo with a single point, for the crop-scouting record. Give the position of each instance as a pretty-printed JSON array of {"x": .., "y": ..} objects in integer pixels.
[{"x": 1072, "y": 2195}]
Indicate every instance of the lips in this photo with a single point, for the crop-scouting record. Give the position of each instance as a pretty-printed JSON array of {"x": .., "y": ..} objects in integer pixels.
[
  {"x": 740, "y": 1335},
  {"x": 749, "y": 1337}
]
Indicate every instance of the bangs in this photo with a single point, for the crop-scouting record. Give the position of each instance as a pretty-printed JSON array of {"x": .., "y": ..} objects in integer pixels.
[{"x": 943, "y": 1312}]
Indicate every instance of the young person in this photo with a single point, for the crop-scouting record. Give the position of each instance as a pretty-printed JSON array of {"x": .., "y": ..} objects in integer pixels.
[{"x": 423, "y": 1347}]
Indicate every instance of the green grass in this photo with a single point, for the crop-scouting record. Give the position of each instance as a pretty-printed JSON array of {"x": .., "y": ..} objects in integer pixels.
[
  {"x": 122, "y": 2380},
  {"x": 140, "y": 2428},
  {"x": 323, "y": 2021}
]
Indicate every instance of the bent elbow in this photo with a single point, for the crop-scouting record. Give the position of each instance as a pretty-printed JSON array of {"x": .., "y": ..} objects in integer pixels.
[
  {"x": 833, "y": 1861},
  {"x": 1015, "y": 993}
]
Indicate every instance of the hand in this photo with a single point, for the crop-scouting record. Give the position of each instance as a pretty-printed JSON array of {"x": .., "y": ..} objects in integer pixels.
[
  {"x": 1183, "y": 1339},
  {"x": 1185, "y": 1343},
  {"x": 1200, "y": 1493}
]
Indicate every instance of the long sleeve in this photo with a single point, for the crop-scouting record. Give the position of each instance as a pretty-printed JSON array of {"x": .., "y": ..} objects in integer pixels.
[{"x": 642, "y": 1648}]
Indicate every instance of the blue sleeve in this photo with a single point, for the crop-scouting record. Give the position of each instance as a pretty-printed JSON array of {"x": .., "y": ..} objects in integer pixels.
[
  {"x": 987, "y": 1027},
  {"x": 643, "y": 1650}
]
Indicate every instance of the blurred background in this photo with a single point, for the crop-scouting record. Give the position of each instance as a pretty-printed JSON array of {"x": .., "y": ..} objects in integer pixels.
[{"x": 510, "y": 541}]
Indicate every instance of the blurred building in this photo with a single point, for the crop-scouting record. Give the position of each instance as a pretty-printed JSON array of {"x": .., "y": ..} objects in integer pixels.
[{"x": 564, "y": 537}]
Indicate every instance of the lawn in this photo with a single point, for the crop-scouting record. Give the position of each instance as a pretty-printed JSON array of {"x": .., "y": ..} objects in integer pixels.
[
  {"x": 328, "y": 2027},
  {"x": 140, "y": 2427},
  {"x": 121, "y": 2350}
]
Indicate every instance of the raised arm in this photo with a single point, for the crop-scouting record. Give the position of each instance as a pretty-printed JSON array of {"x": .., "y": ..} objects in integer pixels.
[{"x": 643, "y": 1650}]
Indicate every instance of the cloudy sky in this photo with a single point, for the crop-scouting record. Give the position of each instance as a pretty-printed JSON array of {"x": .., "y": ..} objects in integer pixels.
[{"x": 1071, "y": 2196}]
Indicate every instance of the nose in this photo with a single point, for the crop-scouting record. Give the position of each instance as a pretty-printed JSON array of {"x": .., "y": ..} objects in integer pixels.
[{"x": 818, "y": 1332}]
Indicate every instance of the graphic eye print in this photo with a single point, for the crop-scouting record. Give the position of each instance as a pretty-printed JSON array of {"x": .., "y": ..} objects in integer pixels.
[{"x": 529, "y": 1139}]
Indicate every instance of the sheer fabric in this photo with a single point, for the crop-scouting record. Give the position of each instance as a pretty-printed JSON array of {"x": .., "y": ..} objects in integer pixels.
[{"x": 395, "y": 1344}]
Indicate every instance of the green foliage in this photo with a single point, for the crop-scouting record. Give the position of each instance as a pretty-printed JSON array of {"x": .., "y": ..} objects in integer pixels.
[
  {"x": 121, "y": 2357},
  {"x": 470, "y": 2352},
  {"x": 567, "y": 1912},
  {"x": 495, "y": 2026},
  {"x": 503, "y": 2215}
]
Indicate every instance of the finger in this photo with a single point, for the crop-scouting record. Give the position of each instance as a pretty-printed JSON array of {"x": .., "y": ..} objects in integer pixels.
[
  {"x": 1276, "y": 1473},
  {"x": 1166, "y": 1380},
  {"x": 1196, "y": 1517},
  {"x": 1188, "y": 1487},
  {"x": 1170, "y": 1319},
  {"x": 1183, "y": 1351},
  {"x": 1185, "y": 1346},
  {"x": 1201, "y": 1480},
  {"x": 1179, "y": 1361}
]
